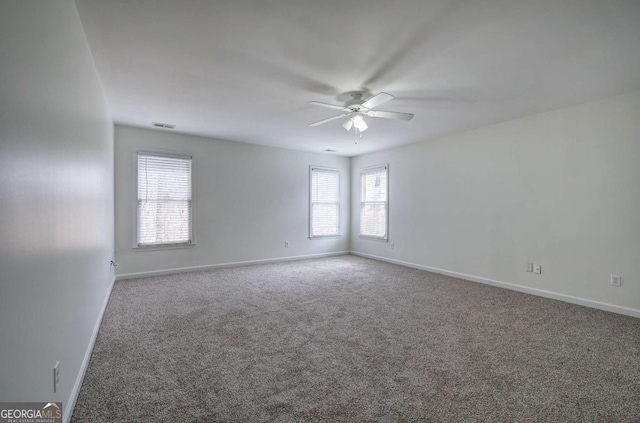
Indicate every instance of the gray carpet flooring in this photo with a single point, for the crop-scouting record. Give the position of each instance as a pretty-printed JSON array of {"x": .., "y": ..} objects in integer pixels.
[{"x": 349, "y": 339}]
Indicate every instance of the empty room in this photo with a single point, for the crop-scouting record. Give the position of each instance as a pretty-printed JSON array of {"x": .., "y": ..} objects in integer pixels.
[{"x": 319, "y": 211}]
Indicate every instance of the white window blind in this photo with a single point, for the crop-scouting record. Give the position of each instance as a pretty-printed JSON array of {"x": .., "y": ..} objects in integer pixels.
[
  {"x": 374, "y": 202},
  {"x": 325, "y": 202},
  {"x": 164, "y": 199}
]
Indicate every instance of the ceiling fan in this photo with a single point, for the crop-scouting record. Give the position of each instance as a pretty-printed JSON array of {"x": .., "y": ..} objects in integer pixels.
[{"x": 356, "y": 108}]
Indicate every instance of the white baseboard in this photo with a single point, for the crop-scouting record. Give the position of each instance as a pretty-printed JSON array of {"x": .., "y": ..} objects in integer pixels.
[
  {"x": 71, "y": 403},
  {"x": 221, "y": 265},
  {"x": 539, "y": 292}
]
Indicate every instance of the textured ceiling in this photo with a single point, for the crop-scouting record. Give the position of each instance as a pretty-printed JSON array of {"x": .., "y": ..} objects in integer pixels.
[{"x": 244, "y": 70}]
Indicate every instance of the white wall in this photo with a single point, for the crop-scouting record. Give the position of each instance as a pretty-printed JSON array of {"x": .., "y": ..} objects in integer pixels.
[
  {"x": 56, "y": 199},
  {"x": 560, "y": 189},
  {"x": 249, "y": 200}
]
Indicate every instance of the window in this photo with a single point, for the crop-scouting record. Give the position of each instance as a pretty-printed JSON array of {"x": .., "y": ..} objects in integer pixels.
[
  {"x": 324, "y": 219},
  {"x": 374, "y": 202},
  {"x": 164, "y": 200}
]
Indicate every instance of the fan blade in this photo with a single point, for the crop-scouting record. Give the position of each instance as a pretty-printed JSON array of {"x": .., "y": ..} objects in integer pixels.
[
  {"x": 389, "y": 115},
  {"x": 377, "y": 100},
  {"x": 330, "y": 106},
  {"x": 320, "y": 122}
]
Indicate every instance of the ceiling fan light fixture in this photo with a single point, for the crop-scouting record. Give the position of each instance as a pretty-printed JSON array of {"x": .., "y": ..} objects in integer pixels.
[
  {"x": 355, "y": 110},
  {"x": 359, "y": 123}
]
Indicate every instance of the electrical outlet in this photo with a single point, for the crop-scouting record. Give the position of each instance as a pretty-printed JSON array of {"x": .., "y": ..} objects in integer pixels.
[
  {"x": 537, "y": 269},
  {"x": 286, "y": 244},
  {"x": 529, "y": 267},
  {"x": 616, "y": 280},
  {"x": 393, "y": 246},
  {"x": 56, "y": 376}
]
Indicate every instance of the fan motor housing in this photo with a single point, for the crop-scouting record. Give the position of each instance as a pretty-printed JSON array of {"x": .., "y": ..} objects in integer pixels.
[{"x": 355, "y": 102}]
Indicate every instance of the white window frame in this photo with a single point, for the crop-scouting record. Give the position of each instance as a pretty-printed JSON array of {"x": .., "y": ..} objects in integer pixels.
[
  {"x": 364, "y": 171},
  {"x": 154, "y": 247},
  {"x": 324, "y": 169}
]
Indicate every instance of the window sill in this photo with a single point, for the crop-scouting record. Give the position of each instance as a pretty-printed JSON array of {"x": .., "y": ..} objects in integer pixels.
[
  {"x": 325, "y": 236},
  {"x": 373, "y": 238},
  {"x": 163, "y": 247}
]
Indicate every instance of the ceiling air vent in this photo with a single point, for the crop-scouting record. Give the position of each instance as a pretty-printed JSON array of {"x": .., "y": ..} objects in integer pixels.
[
  {"x": 163, "y": 125},
  {"x": 328, "y": 150}
]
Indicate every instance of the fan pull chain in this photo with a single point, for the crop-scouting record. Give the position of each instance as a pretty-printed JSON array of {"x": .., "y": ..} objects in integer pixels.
[{"x": 358, "y": 134}]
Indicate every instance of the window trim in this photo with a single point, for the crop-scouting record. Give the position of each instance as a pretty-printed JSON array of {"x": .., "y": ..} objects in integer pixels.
[
  {"x": 328, "y": 169},
  {"x": 168, "y": 154},
  {"x": 370, "y": 169}
]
